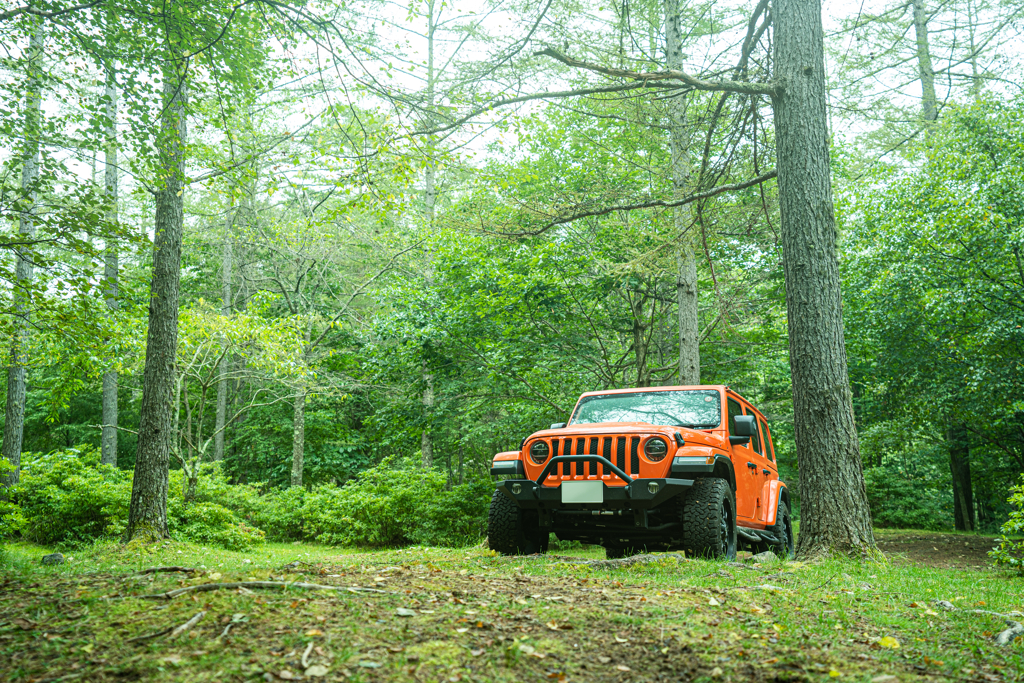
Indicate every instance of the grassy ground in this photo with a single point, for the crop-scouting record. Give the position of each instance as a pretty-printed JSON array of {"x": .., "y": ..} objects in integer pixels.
[{"x": 466, "y": 615}]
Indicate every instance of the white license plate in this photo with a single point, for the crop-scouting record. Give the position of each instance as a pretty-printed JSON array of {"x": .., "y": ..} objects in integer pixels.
[{"x": 582, "y": 492}]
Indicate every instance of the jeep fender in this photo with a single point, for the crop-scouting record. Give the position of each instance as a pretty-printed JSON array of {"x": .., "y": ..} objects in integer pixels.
[
  {"x": 691, "y": 467},
  {"x": 773, "y": 493},
  {"x": 508, "y": 463}
]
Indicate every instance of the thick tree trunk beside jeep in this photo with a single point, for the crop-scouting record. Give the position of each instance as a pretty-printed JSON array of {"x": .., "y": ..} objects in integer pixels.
[{"x": 635, "y": 486}]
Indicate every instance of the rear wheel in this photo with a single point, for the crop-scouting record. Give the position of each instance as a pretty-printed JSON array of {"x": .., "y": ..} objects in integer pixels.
[
  {"x": 512, "y": 530},
  {"x": 783, "y": 530},
  {"x": 709, "y": 519}
]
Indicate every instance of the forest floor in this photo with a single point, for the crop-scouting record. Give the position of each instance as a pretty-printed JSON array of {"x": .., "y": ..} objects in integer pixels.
[{"x": 437, "y": 615}]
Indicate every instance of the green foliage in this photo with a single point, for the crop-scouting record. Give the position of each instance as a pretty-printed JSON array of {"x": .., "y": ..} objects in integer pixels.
[
  {"x": 901, "y": 501},
  {"x": 68, "y": 498},
  {"x": 1010, "y": 551},
  {"x": 396, "y": 504}
]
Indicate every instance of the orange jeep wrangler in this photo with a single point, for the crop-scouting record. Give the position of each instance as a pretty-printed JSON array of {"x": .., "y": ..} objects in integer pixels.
[{"x": 660, "y": 468}]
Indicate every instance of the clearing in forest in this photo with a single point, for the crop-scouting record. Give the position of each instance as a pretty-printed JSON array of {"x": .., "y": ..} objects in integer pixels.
[{"x": 426, "y": 614}]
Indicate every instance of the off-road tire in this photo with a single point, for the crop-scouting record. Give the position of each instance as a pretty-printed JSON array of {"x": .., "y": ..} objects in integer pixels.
[
  {"x": 512, "y": 530},
  {"x": 709, "y": 519},
  {"x": 783, "y": 529}
]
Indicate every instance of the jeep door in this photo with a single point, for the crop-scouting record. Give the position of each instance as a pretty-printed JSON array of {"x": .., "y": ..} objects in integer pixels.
[
  {"x": 748, "y": 483},
  {"x": 760, "y": 444}
]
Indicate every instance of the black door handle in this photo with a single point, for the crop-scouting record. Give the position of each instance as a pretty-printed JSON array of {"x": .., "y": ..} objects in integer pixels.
[
  {"x": 766, "y": 471},
  {"x": 751, "y": 465}
]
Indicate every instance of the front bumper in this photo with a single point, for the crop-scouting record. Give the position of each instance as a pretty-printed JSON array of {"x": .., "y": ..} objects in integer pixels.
[{"x": 640, "y": 494}]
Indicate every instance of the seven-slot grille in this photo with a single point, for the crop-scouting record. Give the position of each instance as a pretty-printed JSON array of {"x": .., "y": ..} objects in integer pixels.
[{"x": 613, "y": 448}]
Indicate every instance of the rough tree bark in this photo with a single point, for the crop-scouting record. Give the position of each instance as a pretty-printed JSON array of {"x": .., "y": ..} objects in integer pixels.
[
  {"x": 929, "y": 102},
  {"x": 147, "y": 515},
  {"x": 298, "y": 436},
  {"x": 14, "y": 413},
  {"x": 108, "y": 438},
  {"x": 225, "y": 363},
  {"x": 834, "y": 507},
  {"x": 960, "y": 469},
  {"x": 299, "y": 416},
  {"x": 686, "y": 260}
]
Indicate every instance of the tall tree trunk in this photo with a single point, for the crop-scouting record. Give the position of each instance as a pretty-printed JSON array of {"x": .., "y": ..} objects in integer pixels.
[
  {"x": 14, "y": 414},
  {"x": 147, "y": 515},
  {"x": 960, "y": 469},
  {"x": 299, "y": 417},
  {"x": 834, "y": 507},
  {"x": 298, "y": 435},
  {"x": 225, "y": 363},
  {"x": 929, "y": 102},
  {"x": 426, "y": 443},
  {"x": 429, "y": 206},
  {"x": 108, "y": 439},
  {"x": 686, "y": 260}
]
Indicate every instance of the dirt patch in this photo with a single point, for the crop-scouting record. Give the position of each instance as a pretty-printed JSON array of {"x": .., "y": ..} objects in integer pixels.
[{"x": 948, "y": 551}]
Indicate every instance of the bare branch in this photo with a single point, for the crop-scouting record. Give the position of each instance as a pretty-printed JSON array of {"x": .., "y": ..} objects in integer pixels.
[
  {"x": 667, "y": 75},
  {"x": 603, "y": 211}
]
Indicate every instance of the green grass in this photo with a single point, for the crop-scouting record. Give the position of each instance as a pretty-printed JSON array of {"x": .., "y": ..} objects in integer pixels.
[{"x": 478, "y": 617}]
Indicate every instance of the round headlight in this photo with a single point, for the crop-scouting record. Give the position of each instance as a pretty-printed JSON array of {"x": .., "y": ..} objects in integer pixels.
[
  {"x": 656, "y": 449},
  {"x": 539, "y": 452}
]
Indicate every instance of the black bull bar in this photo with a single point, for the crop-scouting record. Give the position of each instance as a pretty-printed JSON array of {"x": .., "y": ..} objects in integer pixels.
[{"x": 638, "y": 495}]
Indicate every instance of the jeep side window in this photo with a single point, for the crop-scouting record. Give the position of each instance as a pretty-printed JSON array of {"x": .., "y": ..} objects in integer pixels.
[
  {"x": 767, "y": 441},
  {"x": 755, "y": 440},
  {"x": 734, "y": 409}
]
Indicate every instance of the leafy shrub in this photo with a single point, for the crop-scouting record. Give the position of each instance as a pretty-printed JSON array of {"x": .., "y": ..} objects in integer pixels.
[
  {"x": 68, "y": 497},
  {"x": 899, "y": 501},
  {"x": 394, "y": 504},
  {"x": 279, "y": 512},
  {"x": 1010, "y": 551},
  {"x": 11, "y": 519},
  {"x": 214, "y": 524}
]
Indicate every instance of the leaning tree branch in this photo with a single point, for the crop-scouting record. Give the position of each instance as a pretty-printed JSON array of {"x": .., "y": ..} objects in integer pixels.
[
  {"x": 770, "y": 89},
  {"x": 29, "y": 9},
  {"x": 603, "y": 211}
]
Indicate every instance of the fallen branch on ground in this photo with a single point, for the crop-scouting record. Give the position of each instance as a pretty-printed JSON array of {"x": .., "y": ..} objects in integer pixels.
[
  {"x": 174, "y": 631},
  {"x": 150, "y": 636},
  {"x": 187, "y": 625},
  {"x": 156, "y": 570},
  {"x": 203, "y": 587},
  {"x": 1004, "y": 637},
  {"x": 305, "y": 656}
]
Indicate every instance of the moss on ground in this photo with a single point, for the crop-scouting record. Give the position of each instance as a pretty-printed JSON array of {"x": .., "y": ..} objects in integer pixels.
[{"x": 467, "y": 615}]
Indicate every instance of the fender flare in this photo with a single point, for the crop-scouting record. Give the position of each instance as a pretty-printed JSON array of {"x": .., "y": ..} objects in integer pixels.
[
  {"x": 723, "y": 469},
  {"x": 777, "y": 493}
]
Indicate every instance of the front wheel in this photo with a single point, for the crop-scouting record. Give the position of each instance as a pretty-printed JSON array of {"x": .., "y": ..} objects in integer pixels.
[
  {"x": 512, "y": 530},
  {"x": 709, "y": 519}
]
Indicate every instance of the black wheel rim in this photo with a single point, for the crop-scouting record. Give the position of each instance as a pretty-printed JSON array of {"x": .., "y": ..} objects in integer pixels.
[{"x": 723, "y": 528}]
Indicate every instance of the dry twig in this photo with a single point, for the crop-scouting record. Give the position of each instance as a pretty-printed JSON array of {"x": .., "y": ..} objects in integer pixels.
[
  {"x": 187, "y": 625},
  {"x": 203, "y": 587},
  {"x": 305, "y": 656}
]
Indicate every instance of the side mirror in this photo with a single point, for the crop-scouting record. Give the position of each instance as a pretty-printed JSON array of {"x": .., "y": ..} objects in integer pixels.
[
  {"x": 746, "y": 425},
  {"x": 558, "y": 425}
]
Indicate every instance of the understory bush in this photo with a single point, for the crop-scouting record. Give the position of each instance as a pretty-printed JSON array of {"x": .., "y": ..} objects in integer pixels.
[
  {"x": 1010, "y": 551},
  {"x": 68, "y": 498},
  {"x": 397, "y": 503},
  {"x": 900, "y": 501}
]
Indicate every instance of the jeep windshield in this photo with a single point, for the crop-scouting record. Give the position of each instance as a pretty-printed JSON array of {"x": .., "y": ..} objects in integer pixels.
[{"x": 695, "y": 408}]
